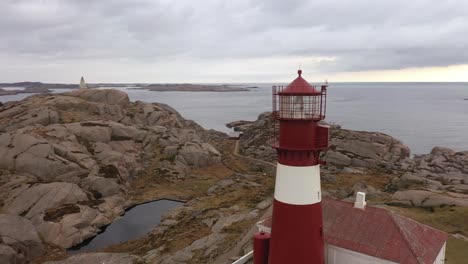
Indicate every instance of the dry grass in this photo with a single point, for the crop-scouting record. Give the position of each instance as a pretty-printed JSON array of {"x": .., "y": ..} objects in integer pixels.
[
  {"x": 54, "y": 253},
  {"x": 152, "y": 187},
  {"x": 376, "y": 180},
  {"x": 457, "y": 251}
]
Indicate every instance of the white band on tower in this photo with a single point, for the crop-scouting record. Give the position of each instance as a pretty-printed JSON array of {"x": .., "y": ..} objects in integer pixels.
[{"x": 298, "y": 185}]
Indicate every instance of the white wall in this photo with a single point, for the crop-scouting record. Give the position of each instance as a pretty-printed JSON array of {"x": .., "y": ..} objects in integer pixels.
[
  {"x": 337, "y": 255},
  {"x": 441, "y": 257}
]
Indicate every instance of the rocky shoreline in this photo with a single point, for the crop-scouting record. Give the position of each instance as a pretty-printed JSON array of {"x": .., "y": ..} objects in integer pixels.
[
  {"x": 435, "y": 179},
  {"x": 68, "y": 160},
  {"x": 74, "y": 162}
]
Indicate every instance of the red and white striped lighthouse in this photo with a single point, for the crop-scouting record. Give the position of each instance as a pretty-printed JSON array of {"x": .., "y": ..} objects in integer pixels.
[{"x": 297, "y": 226}]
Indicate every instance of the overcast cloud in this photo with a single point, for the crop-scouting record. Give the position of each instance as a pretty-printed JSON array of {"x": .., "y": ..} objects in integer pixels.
[{"x": 232, "y": 40}]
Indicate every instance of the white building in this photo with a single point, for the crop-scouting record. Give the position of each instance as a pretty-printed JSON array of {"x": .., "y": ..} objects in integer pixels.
[
  {"x": 356, "y": 233},
  {"x": 83, "y": 83}
]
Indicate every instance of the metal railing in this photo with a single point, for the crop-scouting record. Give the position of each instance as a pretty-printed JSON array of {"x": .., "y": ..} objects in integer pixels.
[{"x": 244, "y": 258}]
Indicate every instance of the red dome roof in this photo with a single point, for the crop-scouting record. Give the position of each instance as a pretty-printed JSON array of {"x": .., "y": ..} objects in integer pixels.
[{"x": 299, "y": 86}]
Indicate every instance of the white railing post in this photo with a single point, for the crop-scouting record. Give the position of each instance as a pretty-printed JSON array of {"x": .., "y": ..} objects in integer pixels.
[{"x": 244, "y": 258}]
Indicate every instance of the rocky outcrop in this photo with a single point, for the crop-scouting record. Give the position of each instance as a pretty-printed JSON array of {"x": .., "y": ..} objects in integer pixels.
[
  {"x": 107, "y": 97},
  {"x": 442, "y": 170},
  {"x": 68, "y": 159},
  {"x": 348, "y": 148},
  {"x": 422, "y": 198},
  {"x": 256, "y": 138},
  {"x": 443, "y": 165},
  {"x": 99, "y": 258},
  {"x": 19, "y": 241}
]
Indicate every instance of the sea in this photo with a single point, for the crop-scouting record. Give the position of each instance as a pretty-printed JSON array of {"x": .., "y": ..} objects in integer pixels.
[{"x": 421, "y": 115}]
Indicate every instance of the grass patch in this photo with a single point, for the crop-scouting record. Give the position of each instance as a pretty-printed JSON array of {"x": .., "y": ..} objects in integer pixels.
[
  {"x": 457, "y": 251},
  {"x": 378, "y": 181},
  {"x": 150, "y": 187}
]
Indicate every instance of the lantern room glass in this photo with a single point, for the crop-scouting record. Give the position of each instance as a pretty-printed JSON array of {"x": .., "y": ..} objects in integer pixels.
[{"x": 300, "y": 107}]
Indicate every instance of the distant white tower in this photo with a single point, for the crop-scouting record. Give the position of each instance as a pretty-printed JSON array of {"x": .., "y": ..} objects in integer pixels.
[{"x": 83, "y": 84}]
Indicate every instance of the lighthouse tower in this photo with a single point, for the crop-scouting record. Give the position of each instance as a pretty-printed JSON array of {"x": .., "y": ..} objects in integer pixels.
[{"x": 297, "y": 226}]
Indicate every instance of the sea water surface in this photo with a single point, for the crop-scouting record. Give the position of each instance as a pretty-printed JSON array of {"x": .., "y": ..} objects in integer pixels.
[{"x": 422, "y": 115}]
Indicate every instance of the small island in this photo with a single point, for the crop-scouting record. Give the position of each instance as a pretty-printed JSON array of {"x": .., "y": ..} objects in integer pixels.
[
  {"x": 41, "y": 88},
  {"x": 24, "y": 90},
  {"x": 32, "y": 87},
  {"x": 192, "y": 88}
]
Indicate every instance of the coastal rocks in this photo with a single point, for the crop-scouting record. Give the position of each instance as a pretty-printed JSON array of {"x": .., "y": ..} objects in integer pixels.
[
  {"x": 32, "y": 155},
  {"x": 347, "y": 148},
  {"x": 42, "y": 197},
  {"x": 99, "y": 258},
  {"x": 108, "y": 97},
  {"x": 365, "y": 149},
  {"x": 422, "y": 198},
  {"x": 25, "y": 117},
  {"x": 442, "y": 169},
  {"x": 199, "y": 155},
  {"x": 68, "y": 160},
  {"x": 7, "y": 254},
  {"x": 102, "y": 186},
  {"x": 409, "y": 181},
  {"x": 80, "y": 105},
  {"x": 91, "y": 131},
  {"x": 19, "y": 241},
  {"x": 256, "y": 138},
  {"x": 62, "y": 212},
  {"x": 337, "y": 158}
]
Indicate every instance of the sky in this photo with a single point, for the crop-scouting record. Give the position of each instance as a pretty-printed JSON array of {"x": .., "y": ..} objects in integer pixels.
[{"x": 174, "y": 41}]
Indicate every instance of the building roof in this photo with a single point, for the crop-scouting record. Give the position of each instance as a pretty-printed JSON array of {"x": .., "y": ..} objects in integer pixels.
[
  {"x": 235, "y": 134},
  {"x": 380, "y": 233},
  {"x": 299, "y": 86}
]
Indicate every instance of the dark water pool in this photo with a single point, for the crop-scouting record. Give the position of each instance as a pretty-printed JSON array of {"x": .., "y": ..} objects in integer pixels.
[{"x": 136, "y": 222}]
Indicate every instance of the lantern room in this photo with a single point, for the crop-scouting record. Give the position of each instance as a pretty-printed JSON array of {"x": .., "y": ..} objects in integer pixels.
[
  {"x": 299, "y": 100},
  {"x": 297, "y": 109}
]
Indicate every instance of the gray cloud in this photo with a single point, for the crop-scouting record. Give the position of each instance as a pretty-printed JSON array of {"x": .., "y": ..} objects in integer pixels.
[{"x": 357, "y": 35}]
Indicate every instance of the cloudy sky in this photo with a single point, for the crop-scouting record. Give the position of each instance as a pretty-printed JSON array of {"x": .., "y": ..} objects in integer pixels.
[{"x": 233, "y": 40}]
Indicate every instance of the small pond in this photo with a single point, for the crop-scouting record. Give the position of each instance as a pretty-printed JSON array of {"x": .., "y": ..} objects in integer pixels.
[{"x": 136, "y": 222}]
